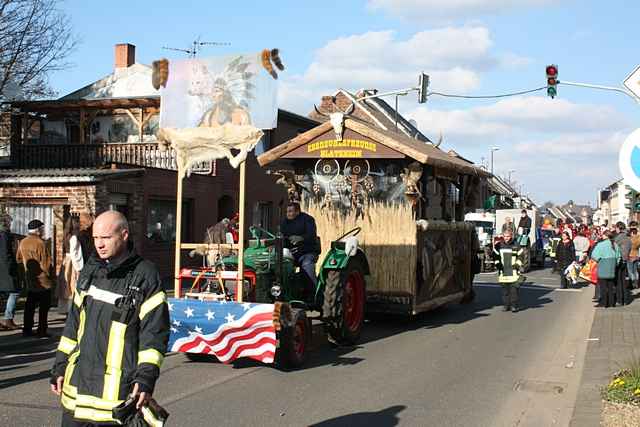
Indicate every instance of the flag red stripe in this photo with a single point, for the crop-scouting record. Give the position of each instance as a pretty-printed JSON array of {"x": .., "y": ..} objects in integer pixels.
[
  {"x": 263, "y": 341},
  {"x": 255, "y": 332},
  {"x": 196, "y": 340},
  {"x": 247, "y": 324},
  {"x": 264, "y": 356}
]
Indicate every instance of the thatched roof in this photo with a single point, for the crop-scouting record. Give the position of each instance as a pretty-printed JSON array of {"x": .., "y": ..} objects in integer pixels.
[{"x": 423, "y": 152}]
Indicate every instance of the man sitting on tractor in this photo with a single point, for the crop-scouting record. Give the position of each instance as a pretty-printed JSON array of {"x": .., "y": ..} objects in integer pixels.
[{"x": 299, "y": 230}]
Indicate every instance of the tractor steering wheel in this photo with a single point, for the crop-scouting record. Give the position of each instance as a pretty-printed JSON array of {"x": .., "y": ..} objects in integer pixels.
[
  {"x": 354, "y": 232},
  {"x": 257, "y": 231}
]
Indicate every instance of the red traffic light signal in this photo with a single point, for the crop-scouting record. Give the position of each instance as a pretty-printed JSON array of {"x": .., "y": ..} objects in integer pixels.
[
  {"x": 552, "y": 71},
  {"x": 552, "y": 80}
]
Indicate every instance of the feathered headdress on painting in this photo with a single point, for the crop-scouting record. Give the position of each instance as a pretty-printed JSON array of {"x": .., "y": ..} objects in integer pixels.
[{"x": 235, "y": 82}]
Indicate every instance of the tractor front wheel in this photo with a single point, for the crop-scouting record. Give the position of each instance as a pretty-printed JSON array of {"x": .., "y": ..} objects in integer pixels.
[
  {"x": 294, "y": 341},
  {"x": 344, "y": 300}
]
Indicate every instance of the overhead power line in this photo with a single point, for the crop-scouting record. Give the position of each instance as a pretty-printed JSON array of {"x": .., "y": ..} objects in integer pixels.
[{"x": 504, "y": 95}]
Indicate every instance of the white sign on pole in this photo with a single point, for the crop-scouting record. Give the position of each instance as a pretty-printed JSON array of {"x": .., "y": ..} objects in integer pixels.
[{"x": 632, "y": 82}]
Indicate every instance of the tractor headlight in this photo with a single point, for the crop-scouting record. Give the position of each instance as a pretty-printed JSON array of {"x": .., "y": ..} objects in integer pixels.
[{"x": 276, "y": 291}]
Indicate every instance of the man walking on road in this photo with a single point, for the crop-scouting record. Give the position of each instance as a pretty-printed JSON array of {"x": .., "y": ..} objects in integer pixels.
[
  {"x": 8, "y": 273},
  {"x": 509, "y": 290},
  {"x": 35, "y": 259},
  {"x": 116, "y": 334}
]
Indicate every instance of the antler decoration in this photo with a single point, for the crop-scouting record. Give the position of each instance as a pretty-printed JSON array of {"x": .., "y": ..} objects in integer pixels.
[{"x": 439, "y": 140}]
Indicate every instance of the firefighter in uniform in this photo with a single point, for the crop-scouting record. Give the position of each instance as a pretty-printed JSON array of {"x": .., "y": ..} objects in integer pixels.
[
  {"x": 117, "y": 332},
  {"x": 509, "y": 276}
]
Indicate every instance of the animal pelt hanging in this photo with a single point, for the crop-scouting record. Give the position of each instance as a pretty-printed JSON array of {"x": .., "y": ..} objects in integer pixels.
[
  {"x": 410, "y": 177},
  {"x": 194, "y": 145},
  {"x": 160, "y": 74},
  {"x": 269, "y": 56}
]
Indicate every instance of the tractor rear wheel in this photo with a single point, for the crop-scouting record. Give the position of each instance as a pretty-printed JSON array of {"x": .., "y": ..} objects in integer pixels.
[
  {"x": 294, "y": 341},
  {"x": 344, "y": 300}
]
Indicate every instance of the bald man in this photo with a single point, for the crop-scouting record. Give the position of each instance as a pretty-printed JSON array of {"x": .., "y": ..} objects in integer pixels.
[{"x": 117, "y": 331}]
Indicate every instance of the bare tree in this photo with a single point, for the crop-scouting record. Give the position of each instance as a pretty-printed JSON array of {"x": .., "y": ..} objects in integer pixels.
[{"x": 35, "y": 40}]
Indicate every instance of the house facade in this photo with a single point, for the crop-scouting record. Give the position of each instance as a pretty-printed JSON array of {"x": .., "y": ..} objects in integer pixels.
[{"x": 95, "y": 150}]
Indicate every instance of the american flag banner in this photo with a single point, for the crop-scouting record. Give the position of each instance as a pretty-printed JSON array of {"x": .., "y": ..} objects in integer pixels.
[{"x": 228, "y": 330}]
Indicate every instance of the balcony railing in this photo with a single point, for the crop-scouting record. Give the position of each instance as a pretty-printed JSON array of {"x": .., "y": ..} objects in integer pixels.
[{"x": 45, "y": 156}]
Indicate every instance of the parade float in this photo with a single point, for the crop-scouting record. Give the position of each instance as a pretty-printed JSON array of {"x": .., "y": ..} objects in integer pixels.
[{"x": 406, "y": 196}]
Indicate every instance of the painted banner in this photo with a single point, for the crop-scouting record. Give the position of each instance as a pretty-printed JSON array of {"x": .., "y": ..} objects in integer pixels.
[{"x": 211, "y": 92}]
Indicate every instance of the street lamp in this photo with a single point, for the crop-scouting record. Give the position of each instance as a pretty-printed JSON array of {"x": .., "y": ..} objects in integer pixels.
[
  {"x": 510, "y": 172},
  {"x": 493, "y": 149}
]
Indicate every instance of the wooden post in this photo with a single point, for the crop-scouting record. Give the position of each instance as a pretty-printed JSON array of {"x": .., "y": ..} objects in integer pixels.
[
  {"x": 141, "y": 123},
  {"x": 25, "y": 127},
  {"x": 241, "y": 233},
  {"x": 176, "y": 284},
  {"x": 82, "y": 125}
]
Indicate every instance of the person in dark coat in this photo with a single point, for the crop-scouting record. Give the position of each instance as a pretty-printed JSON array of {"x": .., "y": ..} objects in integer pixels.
[
  {"x": 565, "y": 256},
  {"x": 35, "y": 258},
  {"x": 300, "y": 231},
  {"x": 8, "y": 273},
  {"x": 524, "y": 225}
]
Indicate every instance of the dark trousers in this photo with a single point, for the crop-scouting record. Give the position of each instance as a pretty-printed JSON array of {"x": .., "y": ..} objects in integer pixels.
[
  {"x": 623, "y": 288},
  {"x": 43, "y": 301},
  {"x": 69, "y": 421},
  {"x": 510, "y": 295},
  {"x": 607, "y": 296},
  {"x": 564, "y": 283}
]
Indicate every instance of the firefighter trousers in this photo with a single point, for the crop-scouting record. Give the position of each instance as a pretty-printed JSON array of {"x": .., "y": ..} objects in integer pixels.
[
  {"x": 69, "y": 421},
  {"x": 510, "y": 295}
]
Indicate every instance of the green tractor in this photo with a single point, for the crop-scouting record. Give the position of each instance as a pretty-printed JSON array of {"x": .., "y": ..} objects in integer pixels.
[{"x": 271, "y": 276}]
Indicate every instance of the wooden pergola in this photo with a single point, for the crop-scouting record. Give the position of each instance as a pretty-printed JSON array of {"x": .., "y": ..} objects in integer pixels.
[{"x": 139, "y": 109}]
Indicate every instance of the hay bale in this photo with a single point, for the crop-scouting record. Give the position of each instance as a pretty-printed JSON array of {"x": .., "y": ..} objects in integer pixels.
[{"x": 388, "y": 238}]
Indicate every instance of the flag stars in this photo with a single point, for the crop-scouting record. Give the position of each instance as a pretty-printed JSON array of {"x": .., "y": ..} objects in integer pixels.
[
  {"x": 210, "y": 315},
  {"x": 230, "y": 318},
  {"x": 174, "y": 330},
  {"x": 246, "y": 306},
  {"x": 170, "y": 306},
  {"x": 198, "y": 329},
  {"x": 188, "y": 312},
  {"x": 177, "y": 323}
]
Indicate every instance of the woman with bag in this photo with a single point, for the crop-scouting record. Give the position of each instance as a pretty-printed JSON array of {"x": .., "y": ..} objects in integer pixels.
[{"x": 608, "y": 256}]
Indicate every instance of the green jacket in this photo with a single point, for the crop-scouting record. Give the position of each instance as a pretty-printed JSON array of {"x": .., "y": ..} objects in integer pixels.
[{"x": 607, "y": 254}]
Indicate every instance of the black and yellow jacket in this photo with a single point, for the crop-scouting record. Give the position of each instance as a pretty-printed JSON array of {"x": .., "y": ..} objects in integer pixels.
[{"x": 116, "y": 335}]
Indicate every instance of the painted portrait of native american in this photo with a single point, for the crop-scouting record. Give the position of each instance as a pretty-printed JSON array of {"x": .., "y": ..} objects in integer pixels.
[{"x": 212, "y": 92}]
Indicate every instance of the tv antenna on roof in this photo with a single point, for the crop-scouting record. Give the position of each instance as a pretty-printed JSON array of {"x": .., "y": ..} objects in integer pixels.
[{"x": 196, "y": 46}]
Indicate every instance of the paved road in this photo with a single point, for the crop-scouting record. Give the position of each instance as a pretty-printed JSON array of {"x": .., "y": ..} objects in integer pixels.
[{"x": 468, "y": 365}]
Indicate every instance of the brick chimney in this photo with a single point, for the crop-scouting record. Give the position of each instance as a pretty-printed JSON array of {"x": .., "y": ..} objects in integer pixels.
[{"x": 125, "y": 55}]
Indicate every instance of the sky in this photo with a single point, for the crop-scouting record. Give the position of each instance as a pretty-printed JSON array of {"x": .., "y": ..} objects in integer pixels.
[{"x": 557, "y": 149}]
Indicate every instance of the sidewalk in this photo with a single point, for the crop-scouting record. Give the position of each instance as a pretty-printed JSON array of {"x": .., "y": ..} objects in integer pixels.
[
  {"x": 614, "y": 340},
  {"x": 13, "y": 341}
]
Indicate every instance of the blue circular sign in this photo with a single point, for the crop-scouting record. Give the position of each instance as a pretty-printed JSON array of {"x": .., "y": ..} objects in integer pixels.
[{"x": 629, "y": 160}]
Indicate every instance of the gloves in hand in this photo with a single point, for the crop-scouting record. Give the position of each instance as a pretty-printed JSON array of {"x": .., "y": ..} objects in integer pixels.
[{"x": 296, "y": 240}]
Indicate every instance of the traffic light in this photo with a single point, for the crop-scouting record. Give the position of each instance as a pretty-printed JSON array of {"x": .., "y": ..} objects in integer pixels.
[
  {"x": 423, "y": 85},
  {"x": 552, "y": 80},
  {"x": 633, "y": 201}
]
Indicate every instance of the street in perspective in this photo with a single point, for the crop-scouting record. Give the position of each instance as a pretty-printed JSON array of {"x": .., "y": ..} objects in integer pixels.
[{"x": 395, "y": 213}]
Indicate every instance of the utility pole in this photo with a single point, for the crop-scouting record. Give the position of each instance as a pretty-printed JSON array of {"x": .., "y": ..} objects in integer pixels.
[
  {"x": 510, "y": 172},
  {"x": 493, "y": 149}
]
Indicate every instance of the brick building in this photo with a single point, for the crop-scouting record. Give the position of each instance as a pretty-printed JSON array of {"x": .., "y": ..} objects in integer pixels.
[{"x": 95, "y": 149}]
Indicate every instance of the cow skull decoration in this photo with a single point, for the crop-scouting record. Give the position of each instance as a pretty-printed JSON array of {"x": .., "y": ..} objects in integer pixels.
[{"x": 337, "y": 119}]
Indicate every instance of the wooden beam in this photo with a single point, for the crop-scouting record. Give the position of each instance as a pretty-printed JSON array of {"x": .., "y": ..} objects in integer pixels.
[
  {"x": 292, "y": 144},
  {"x": 83, "y": 119},
  {"x": 134, "y": 118}
]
